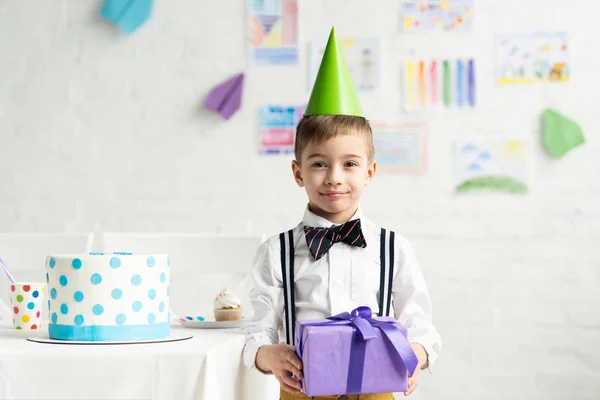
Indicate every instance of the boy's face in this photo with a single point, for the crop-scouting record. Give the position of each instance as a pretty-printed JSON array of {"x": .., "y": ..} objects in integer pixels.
[{"x": 334, "y": 175}]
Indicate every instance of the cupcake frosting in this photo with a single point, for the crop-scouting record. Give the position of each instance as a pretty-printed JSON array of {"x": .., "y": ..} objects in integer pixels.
[{"x": 226, "y": 299}]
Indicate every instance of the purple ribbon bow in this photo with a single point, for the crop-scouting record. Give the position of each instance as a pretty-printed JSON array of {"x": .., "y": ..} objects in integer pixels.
[{"x": 362, "y": 319}]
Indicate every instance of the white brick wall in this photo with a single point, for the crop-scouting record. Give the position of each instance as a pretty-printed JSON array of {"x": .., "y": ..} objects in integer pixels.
[{"x": 101, "y": 130}]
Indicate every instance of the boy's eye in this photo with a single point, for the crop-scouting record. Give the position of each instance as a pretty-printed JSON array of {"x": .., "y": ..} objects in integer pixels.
[
  {"x": 319, "y": 165},
  {"x": 351, "y": 164}
]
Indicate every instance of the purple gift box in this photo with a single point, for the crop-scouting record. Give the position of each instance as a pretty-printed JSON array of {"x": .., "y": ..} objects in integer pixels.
[{"x": 354, "y": 353}]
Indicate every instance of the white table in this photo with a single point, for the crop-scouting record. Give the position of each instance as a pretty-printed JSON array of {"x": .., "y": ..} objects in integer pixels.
[{"x": 207, "y": 367}]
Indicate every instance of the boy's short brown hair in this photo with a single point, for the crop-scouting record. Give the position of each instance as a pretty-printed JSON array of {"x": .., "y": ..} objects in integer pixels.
[{"x": 320, "y": 128}]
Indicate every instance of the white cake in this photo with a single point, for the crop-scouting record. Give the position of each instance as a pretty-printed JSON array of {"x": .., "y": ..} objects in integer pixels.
[{"x": 108, "y": 297}]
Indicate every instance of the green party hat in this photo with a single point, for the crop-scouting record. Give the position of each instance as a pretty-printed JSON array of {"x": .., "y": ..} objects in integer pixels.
[{"x": 333, "y": 92}]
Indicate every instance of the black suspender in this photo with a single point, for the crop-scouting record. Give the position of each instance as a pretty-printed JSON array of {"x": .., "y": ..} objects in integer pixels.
[
  {"x": 386, "y": 254},
  {"x": 286, "y": 240},
  {"x": 386, "y": 274}
]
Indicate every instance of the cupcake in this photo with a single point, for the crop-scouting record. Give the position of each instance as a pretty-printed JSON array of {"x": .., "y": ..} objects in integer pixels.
[{"x": 227, "y": 306}]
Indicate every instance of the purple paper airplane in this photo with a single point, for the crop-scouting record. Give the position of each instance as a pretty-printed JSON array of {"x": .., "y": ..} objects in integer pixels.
[{"x": 226, "y": 98}]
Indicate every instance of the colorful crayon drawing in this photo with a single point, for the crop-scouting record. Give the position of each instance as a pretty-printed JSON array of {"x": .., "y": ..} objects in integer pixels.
[
  {"x": 491, "y": 166},
  {"x": 446, "y": 83},
  {"x": 438, "y": 15},
  {"x": 400, "y": 148},
  {"x": 363, "y": 56},
  {"x": 530, "y": 58},
  {"x": 278, "y": 128},
  {"x": 273, "y": 32}
]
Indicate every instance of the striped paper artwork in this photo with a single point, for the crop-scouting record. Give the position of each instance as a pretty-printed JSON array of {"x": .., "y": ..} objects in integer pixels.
[{"x": 439, "y": 83}]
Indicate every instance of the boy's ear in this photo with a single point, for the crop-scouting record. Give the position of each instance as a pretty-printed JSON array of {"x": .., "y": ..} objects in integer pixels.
[
  {"x": 371, "y": 172},
  {"x": 297, "y": 173}
]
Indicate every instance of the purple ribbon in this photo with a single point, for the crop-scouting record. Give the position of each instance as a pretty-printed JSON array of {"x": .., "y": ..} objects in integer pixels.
[{"x": 361, "y": 318}]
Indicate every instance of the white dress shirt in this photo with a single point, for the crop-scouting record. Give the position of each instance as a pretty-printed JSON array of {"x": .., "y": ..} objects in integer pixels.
[{"x": 345, "y": 278}]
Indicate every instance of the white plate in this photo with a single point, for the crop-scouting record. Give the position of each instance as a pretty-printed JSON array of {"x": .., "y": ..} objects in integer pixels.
[
  {"x": 201, "y": 323},
  {"x": 171, "y": 338}
]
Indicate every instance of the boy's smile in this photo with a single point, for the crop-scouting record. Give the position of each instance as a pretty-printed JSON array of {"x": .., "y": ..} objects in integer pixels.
[
  {"x": 334, "y": 195},
  {"x": 334, "y": 175}
]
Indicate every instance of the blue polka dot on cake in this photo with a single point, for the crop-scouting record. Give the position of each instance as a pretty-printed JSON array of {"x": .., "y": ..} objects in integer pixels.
[
  {"x": 136, "y": 306},
  {"x": 115, "y": 262},
  {"x": 78, "y": 296},
  {"x": 136, "y": 280},
  {"x": 76, "y": 263},
  {"x": 96, "y": 279},
  {"x": 120, "y": 319}
]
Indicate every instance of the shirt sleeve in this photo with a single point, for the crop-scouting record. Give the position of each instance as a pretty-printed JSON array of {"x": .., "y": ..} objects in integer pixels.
[
  {"x": 412, "y": 302},
  {"x": 267, "y": 302}
]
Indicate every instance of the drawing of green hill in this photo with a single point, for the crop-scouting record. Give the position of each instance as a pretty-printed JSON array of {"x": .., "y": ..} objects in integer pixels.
[{"x": 492, "y": 184}]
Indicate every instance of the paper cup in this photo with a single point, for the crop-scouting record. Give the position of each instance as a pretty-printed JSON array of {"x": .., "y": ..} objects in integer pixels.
[{"x": 26, "y": 302}]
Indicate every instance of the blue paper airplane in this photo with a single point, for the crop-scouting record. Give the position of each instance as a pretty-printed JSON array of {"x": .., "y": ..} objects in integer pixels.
[{"x": 128, "y": 15}]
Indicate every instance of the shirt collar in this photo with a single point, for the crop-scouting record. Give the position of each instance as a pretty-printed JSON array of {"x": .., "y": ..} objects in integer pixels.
[{"x": 312, "y": 219}]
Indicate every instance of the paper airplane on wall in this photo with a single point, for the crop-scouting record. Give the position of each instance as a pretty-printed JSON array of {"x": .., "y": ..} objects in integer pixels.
[
  {"x": 226, "y": 98},
  {"x": 560, "y": 134},
  {"x": 128, "y": 15}
]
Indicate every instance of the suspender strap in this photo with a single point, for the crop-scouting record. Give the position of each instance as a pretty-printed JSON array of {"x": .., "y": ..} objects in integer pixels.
[
  {"x": 386, "y": 275},
  {"x": 286, "y": 240}
]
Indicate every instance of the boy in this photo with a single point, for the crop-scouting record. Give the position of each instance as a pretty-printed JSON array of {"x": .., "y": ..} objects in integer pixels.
[{"x": 335, "y": 259}]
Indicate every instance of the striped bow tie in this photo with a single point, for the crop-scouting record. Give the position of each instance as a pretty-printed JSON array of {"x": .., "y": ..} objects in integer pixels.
[{"x": 320, "y": 240}]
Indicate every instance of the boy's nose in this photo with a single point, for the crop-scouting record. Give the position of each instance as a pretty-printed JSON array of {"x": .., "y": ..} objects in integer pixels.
[{"x": 334, "y": 177}]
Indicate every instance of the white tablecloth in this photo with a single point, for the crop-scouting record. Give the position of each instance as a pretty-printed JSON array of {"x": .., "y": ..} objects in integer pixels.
[{"x": 207, "y": 367}]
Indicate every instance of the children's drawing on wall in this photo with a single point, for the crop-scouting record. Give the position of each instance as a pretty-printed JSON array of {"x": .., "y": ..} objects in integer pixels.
[
  {"x": 492, "y": 166},
  {"x": 437, "y": 15},
  {"x": 400, "y": 148},
  {"x": 273, "y": 32},
  {"x": 529, "y": 58},
  {"x": 363, "y": 56},
  {"x": 444, "y": 83},
  {"x": 277, "y": 131}
]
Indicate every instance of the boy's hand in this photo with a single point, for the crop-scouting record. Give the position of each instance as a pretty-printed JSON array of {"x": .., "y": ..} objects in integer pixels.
[
  {"x": 282, "y": 361},
  {"x": 413, "y": 380}
]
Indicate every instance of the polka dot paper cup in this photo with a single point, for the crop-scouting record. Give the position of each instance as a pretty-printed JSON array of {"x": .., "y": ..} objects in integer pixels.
[{"x": 26, "y": 301}]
